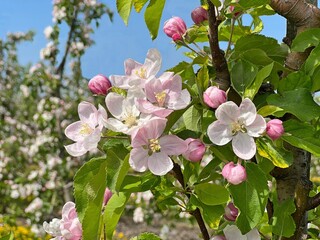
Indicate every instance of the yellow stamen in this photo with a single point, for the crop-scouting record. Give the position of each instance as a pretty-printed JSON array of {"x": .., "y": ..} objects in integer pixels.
[
  {"x": 238, "y": 127},
  {"x": 85, "y": 129},
  {"x": 141, "y": 72},
  {"x": 130, "y": 121},
  {"x": 161, "y": 98},
  {"x": 154, "y": 145}
]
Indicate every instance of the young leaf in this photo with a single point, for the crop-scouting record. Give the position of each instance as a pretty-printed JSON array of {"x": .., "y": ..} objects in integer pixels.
[
  {"x": 191, "y": 119},
  {"x": 113, "y": 212},
  {"x": 8, "y": 237},
  {"x": 124, "y": 9},
  {"x": 305, "y": 39},
  {"x": 153, "y": 15},
  {"x": 282, "y": 221},
  {"x": 146, "y": 236},
  {"x": 138, "y": 4},
  {"x": 89, "y": 187},
  {"x": 298, "y": 102},
  {"x": 250, "y": 197},
  {"x": 294, "y": 81},
  {"x": 211, "y": 194},
  {"x": 279, "y": 157}
]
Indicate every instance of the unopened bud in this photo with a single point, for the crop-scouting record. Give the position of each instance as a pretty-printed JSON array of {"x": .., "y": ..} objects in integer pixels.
[
  {"x": 231, "y": 212},
  {"x": 199, "y": 15},
  {"x": 99, "y": 85},
  {"x": 107, "y": 196},
  {"x": 175, "y": 27},
  {"x": 275, "y": 129},
  {"x": 196, "y": 150},
  {"x": 234, "y": 173},
  {"x": 214, "y": 97}
]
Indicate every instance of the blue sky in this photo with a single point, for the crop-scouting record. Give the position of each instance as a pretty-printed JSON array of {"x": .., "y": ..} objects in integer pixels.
[{"x": 115, "y": 42}]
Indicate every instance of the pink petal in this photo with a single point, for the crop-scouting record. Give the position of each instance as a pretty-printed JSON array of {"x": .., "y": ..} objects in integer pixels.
[
  {"x": 73, "y": 131},
  {"x": 248, "y": 112},
  {"x": 258, "y": 127},
  {"x": 120, "y": 81},
  {"x": 91, "y": 141},
  {"x": 159, "y": 163},
  {"x": 114, "y": 103},
  {"x": 139, "y": 159},
  {"x": 227, "y": 112},
  {"x": 76, "y": 149},
  {"x": 180, "y": 101},
  {"x": 172, "y": 145},
  {"x": 129, "y": 65},
  {"x": 88, "y": 113},
  {"x": 153, "y": 61},
  {"x": 152, "y": 87},
  {"x": 68, "y": 206},
  {"x": 219, "y": 133},
  {"x": 243, "y": 146}
]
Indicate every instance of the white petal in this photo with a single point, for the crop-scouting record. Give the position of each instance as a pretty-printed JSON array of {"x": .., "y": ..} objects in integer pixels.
[
  {"x": 73, "y": 131},
  {"x": 76, "y": 149},
  {"x": 243, "y": 146},
  {"x": 219, "y": 133},
  {"x": 233, "y": 233},
  {"x": 181, "y": 101},
  {"x": 114, "y": 103},
  {"x": 227, "y": 112},
  {"x": 102, "y": 117},
  {"x": 139, "y": 159},
  {"x": 120, "y": 81},
  {"x": 258, "y": 126},
  {"x": 129, "y": 65},
  {"x": 88, "y": 113},
  {"x": 248, "y": 112},
  {"x": 172, "y": 145},
  {"x": 171, "y": 81},
  {"x": 253, "y": 235},
  {"x": 91, "y": 141},
  {"x": 153, "y": 61},
  {"x": 159, "y": 163},
  {"x": 116, "y": 125}
]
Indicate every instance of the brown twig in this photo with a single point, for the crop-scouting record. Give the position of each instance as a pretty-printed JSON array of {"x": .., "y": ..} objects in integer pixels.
[
  {"x": 196, "y": 213},
  {"x": 313, "y": 202}
]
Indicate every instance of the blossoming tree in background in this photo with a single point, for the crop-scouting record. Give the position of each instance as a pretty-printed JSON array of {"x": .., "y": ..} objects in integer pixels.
[{"x": 251, "y": 108}]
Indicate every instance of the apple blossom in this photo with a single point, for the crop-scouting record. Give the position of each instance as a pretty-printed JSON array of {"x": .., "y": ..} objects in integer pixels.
[
  {"x": 233, "y": 233},
  {"x": 99, "y": 85},
  {"x": 151, "y": 150},
  {"x": 137, "y": 73},
  {"x": 214, "y": 97},
  {"x": 234, "y": 174},
  {"x": 163, "y": 95},
  {"x": 70, "y": 225},
  {"x": 127, "y": 117},
  {"x": 275, "y": 129},
  {"x": 53, "y": 228},
  {"x": 239, "y": 125},
  {"x": 199, "y": 15},
  {"x": 231, "y": 212},
  {"x": 175, "y": 27},
  {"x": 87, "y": 132},
  {"x": 195, "y": 151}
]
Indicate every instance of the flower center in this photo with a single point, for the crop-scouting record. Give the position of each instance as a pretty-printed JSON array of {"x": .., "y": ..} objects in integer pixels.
[
  {"x": 154, "y": 145},
  {"x": 130, "y": 120},
  {"x": 141, "y": 72},
  {"x": 85, "y": 129},
  {"x": 161, "y": 98},
  {"x": 238, "y": 127}
]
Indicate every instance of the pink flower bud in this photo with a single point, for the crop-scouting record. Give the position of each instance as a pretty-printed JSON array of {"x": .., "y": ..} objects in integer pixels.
[
  {"x": 214, "y": 97},
  {"x": 199, "y": 15},
  {"x": 99, "y": 85},
  {"x": 175, "y": 27},
  {"x": 275, "y": 129},
  {"x": 196, "y": 149},
  {"x": 107, "y": 196},
  {"x": 231, "y": 212},
  {"x": 234, "y": 173}
]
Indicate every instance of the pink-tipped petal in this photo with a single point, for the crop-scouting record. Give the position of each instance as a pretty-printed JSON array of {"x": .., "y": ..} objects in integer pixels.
[
  {"x": 227, "y": 112},
  {"x": 243, "y": 146},
  {"x": 248, "y": 112},
  {"x": 153, "y": 61},
  {"x": 130, "y": 65},
  {"x": 139, "y": 159},
  {"x": 172, "y": 145},
  {"x": 159, "y": 163},
  {"x": 219, "y": 133}
]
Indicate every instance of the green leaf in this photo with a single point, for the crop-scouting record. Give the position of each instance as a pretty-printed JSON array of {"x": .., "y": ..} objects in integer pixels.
[
  {"x": 124, "y": 9},
  {"x": 312, "y": 61},
  {"x": 202, "y": 80},
  {"x": 117, "y": 166},
  {"x": 315, "y": 80},
  {"x": 294, "y": 81},
  {"x": 305, "y": 39},
  {"x": 113, "y": 212},
  {"x": 242, "y": 75},
  {"x": 191, "y": 118},
  {"x": 250, "y": 197},
  {"x": 247, "y": 4},
  {"x": 282, "y": 221},
  {"x": 138, "y": 4},
  {"x": 263, "y": 73},
  {"x": 211, "y": 194},
  {"x": 146, "y": 236},
  {"x": 89, "y": 187},
  {"x": 216, "y": 3},
  {"x": 278, "y": 156},
  {"x": 302, "y": 135},
  {"x": 271, "y": 110},
  {"x": 153, "y": 15},
  {"x": 148, "y": 181},
  {"x": 298, "y": 102},
  {"x": 8, "y": 237}
]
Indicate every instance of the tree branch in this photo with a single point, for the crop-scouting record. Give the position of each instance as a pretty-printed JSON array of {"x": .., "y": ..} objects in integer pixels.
[
  {"x": 313, "y": 202},
  {"x": 196, "y": 213}
]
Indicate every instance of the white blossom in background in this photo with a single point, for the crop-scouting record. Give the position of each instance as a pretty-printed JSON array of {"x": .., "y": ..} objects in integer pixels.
[
  {"x": 138, "y": 215},
  {"x": 25, "y": 90},
  {"x": 36, "y": 204},
  {"x": 47, "y": 51},
  {"x": 58, "y": 13},
  {"x": 48, "y": 31}
]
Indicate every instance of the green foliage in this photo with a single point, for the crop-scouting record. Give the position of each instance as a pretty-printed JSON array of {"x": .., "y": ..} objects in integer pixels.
[
  {"x": 306, "y": 39},
  {"x": 153, "y": 15},
  {"x": 89, "y": 187},
  {"x": 124, "y": 9},
  {"x": 211, "y": 194},
  {"x": 10, "y": 236},
  {"x": 282, "y": 222},
  {"x": 250, "y": 197},
  {"x": 146, "y": 236}
]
